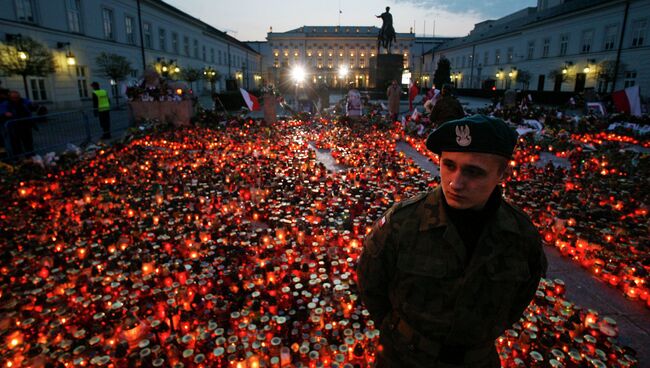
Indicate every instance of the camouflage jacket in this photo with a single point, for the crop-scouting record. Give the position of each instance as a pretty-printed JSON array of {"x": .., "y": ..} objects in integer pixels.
[{"x": 415, "y": 280}]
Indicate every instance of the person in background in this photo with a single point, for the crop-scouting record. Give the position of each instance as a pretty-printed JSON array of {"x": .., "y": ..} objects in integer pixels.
[
  {"x": 393, "y": 92},
  {"x": 446, "y": 108},
  {"x": 102, "y": 109},
  {"x": 19, "y": 132},
  {"x": 4, "y": 95}
]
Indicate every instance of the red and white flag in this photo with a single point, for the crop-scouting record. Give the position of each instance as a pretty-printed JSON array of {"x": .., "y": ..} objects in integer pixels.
[
  {"x": 628, "y": 100},
  {"x": 413, "y": 92},
  {"x": 251, "y": 101}
]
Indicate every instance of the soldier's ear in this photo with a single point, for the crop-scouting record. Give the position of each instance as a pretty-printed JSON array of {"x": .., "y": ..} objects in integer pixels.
[{"x": 505, "y": 170}]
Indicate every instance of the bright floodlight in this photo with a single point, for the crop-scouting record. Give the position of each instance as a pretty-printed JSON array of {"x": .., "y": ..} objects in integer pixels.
[
  {"x": 298, "y": 74},
  {"x": 343, "y": 71}
]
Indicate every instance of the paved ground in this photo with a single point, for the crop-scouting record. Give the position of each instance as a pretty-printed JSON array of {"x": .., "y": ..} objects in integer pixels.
[
  {"x": 70, "y": 127},
  {"x": 587, "y": 291}
]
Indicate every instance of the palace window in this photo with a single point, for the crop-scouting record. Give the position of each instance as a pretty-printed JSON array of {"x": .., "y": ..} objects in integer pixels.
[
  {"x": 74, "y": 15},
  {"x": 546, "y": 47},
  {"x": 611, "y": 32},
  {"x": 162, "y": 39},
  {"x": 638, "y": 32},
  {"x": 82, "y": 83},
  {"x": 25, "y": 11},
  {"x": 564, "y": 44},
  {"x": 531, "y": 50},
  {"x": 587, "y": 40},
  {"x": 107, "y": 19},
  {"x": 128, "y": 30}
]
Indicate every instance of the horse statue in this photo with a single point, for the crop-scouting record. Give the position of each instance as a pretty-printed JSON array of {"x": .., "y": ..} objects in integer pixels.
[{"x": 387, "y": 34}]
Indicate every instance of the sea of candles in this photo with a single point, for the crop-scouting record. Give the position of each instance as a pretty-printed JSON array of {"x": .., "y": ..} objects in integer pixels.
[{"x": 228, "y": 248}]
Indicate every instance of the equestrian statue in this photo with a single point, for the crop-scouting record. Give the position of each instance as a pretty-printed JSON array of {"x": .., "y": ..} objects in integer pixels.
[{"x": 387, "y": 32}]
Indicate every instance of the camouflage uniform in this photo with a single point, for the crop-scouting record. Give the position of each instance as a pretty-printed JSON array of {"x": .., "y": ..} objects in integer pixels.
[{"x": 436, "y": 307}]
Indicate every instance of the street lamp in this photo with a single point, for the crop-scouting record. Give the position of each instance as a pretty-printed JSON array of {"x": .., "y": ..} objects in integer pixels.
[
  {"x": 167, "y": 67},
  {"x": 587, "y": 68},
  {"x": 298, "y": 75},
  {"x": 17, "y": 40},
  {"x": 209, "y": 73},
  {"x": 343, "y": 73},
  {"x": 69, "y": 56}
]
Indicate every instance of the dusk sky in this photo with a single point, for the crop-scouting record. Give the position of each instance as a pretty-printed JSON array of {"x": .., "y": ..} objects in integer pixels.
[{"x": 249, "y": 20}]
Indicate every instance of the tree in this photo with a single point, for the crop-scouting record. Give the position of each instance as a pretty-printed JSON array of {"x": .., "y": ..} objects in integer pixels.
[
  {"x": 191, "y": 75},
  {"x": 606, "y": 70},
  {"x": 115, "y": 67},
  {"x": 212, "y": 76},
  {"x": 442, "y": 73},
  {"x": 523, "y": 77},
  {"x": 26, "y": 57},
  {"x": 559, "y": 76}
]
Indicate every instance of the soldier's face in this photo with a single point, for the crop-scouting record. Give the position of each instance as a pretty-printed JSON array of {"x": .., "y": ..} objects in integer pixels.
[{"x": 468, "y": 178}]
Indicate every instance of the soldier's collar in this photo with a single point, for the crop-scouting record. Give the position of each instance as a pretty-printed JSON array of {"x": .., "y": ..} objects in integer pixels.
[
  {"x": 433, "y": 215},
  {"x": 432, "y": 211}
]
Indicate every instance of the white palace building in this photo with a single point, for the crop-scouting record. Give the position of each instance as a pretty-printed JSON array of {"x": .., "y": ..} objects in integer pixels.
[
  {"x": 148, "y": 33},
  {"x": 559, "y": 45}
]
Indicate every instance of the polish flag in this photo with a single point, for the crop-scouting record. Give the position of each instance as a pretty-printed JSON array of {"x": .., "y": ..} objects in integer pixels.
[
  {"x": 251, "y": 101},
  {"x": 628, "y": 101},
  {"x": 413, "y": 91}
]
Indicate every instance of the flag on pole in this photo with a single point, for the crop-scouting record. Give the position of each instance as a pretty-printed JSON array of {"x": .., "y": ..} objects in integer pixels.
[
  {"x": 251, "y": 101},
  {"x": 628, "y": 101},
  {"x": 413, "y": 91}
]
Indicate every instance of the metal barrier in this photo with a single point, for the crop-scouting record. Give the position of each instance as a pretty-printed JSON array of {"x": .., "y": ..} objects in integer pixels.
[{"x": 53, "y": 132}]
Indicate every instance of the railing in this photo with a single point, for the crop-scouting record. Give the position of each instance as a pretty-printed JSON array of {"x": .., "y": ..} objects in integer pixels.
[{"x": 54, "y": 132}]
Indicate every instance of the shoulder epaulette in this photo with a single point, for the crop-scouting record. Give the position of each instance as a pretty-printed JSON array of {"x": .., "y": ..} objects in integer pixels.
[
  {"x": 521, "y": 216},
  {"x": 408, "y": 202}
]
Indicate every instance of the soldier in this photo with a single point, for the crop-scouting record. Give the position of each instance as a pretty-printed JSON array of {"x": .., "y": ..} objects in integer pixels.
[{"x": 446, "y": 272}]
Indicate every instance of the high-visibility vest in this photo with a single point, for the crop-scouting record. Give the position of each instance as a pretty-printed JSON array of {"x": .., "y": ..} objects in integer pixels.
[{"x": 102, "y": 100}]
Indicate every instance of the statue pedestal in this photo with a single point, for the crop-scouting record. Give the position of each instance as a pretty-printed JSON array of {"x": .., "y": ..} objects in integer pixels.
[
  {"x": 384, "y": 68},
  {"x": 270, "y": 116}
]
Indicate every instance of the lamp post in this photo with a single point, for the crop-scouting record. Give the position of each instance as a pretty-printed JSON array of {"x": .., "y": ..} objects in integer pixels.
[
  {"x": 167, "y": 68},
  {"x": 343, "y": 73},
  {"x": 23, "y": 55},
  {"x": 499, "y": 74},
  {"x": 210, "y": 74},
  {"x": 69, "y": 56},
  {"x": 298, "y": 75}
]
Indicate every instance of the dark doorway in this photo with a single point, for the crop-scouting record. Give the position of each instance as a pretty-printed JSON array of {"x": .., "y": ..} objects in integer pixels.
[
  {"x": 580, "y": 82},
  {"x": 557, "y": 87},
  {"x": 231, "y": 84},
  {"x": 540, "y": 82},
  {"x": 489, "y": 84}
]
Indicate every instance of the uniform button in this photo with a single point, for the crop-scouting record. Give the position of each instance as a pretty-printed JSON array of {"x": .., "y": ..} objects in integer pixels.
[{"x": 411, "y": 347}]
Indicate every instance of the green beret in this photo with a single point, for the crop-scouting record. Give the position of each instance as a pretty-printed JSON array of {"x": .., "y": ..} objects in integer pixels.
[{"x": 476, "y": 133}]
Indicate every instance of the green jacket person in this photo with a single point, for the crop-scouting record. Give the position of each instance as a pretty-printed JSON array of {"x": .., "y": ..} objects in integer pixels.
[
  {"x": 446, "y": 272},
  {"x": 102, "y": 109}
]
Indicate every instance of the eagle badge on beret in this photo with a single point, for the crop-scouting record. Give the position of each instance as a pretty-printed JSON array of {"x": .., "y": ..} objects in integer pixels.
[{"x": 462, "y": 136}]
